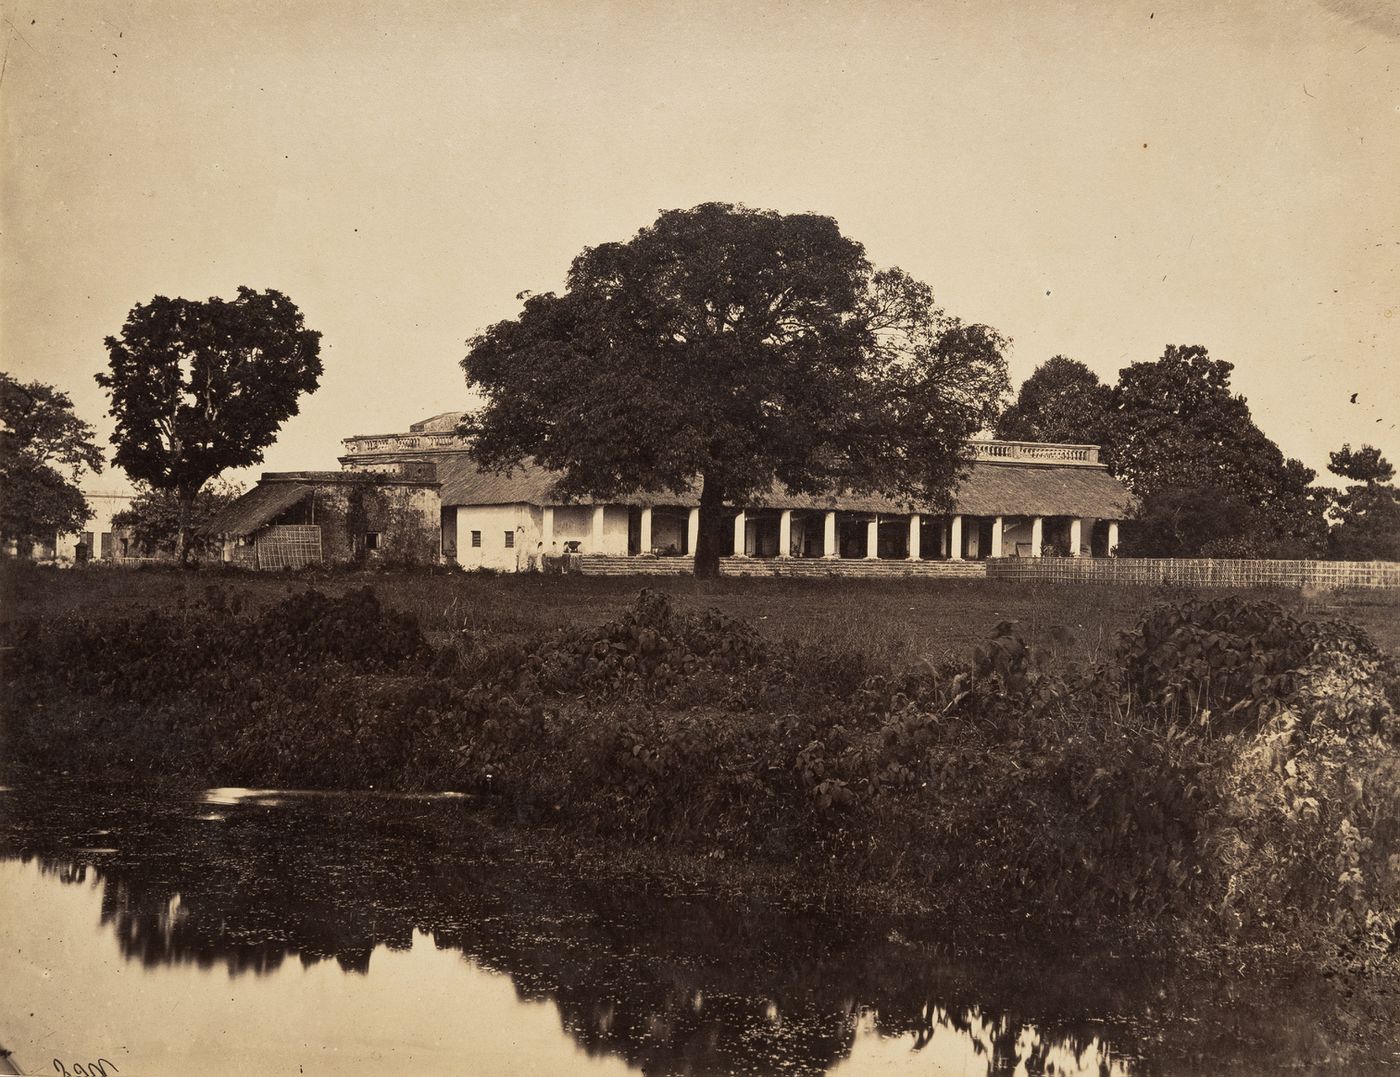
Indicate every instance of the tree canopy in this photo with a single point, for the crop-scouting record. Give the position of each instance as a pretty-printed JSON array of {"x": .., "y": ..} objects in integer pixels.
[
  {"x": 44, "y": 448},
  {"x": 1367, "y": 513},
  {"x": 154, "y": 518},
  {"x": 1174, "y": 426},
  {"x": 735, "y": 349},
  {"x": 1364, "y": 465},
  {"x": 1062, "y": 401},
  {"x": 1207, "y": 480},
  {"x": 201, "y": 386}
]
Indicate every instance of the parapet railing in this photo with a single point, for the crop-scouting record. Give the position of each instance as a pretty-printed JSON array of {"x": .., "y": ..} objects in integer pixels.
[
  {"x": 1037, "y": 452},
  {"x": 365, "y": 444}
]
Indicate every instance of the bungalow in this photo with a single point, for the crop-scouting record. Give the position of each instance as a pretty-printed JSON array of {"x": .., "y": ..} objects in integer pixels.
[{"x": 1019, "y": 499}]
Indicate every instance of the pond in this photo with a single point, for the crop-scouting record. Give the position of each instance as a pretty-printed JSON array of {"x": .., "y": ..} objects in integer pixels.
[{"x": 269, "y": 932}]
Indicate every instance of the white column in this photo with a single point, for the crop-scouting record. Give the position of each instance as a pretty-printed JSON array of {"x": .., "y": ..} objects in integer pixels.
[
  {"x": 547, "y": 529},
  {"x": 740, "y": 534},
  {"x": 595, "y": 541},
  {"x": 1112, "y": 538},
  {"x": 1037, "y": 535},
  {"x": 914, "y": 536},
  {"x": 998, "y": 545},
  {"x": 785, "y": 533},
  {"x": 829, "y": 536},
  {"x": 692, "y": 532},
  {"x": 955, "y": 539},
  {"x": 872, "y": 538},
  {"x": 1076, "y": 531},
  {"x": 645, "y": 541}
]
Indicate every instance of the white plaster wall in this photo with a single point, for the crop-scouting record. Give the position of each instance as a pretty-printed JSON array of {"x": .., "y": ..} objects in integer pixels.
[
  {"x": 572, "y": 522},
  {"x": 104, "y": 504},
  {"x": 614, "y": 532},
  {"x": 575, "y": 523},
  {"x": 493, "y": 521}
]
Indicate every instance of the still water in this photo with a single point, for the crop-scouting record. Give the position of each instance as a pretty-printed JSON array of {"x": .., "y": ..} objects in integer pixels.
[{"x": 241, "y": 932}]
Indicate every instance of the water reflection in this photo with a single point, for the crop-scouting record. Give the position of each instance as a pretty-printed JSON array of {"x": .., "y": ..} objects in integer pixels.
[{"x": 397, "y": 892}]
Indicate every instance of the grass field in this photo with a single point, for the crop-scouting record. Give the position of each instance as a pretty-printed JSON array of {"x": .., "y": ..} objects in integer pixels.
[{"x": 901, "y": 623}]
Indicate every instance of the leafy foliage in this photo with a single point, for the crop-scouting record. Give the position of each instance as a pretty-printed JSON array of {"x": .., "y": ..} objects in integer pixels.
[
  {"x": 1367, "y": 514},
  {"x": 1062, "y": 401},
  {"x": 154, "y": 518},
  {"x": 734, "y": 349},
  {"x": 1207, "y": 481},
  {"x": 44, "y": 447},
  {"x": 199, "y": 387},
  {"x": 1230, "y": 769}
]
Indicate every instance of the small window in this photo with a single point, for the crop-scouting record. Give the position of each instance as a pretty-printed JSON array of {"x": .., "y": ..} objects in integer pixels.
[
  {"x": 476, "y": 539},
  {"x": 510, "y": 540},
  {"x": 371, "y": 540}
]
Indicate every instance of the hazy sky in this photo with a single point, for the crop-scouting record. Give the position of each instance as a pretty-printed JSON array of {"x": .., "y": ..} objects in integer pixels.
[{"x": 1092, "y": 179}]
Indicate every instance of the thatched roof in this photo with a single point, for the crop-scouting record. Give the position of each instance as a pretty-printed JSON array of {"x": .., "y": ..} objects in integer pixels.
[
  {"x": 990, "y": 489},
  {"x": 258, "y": 507}
]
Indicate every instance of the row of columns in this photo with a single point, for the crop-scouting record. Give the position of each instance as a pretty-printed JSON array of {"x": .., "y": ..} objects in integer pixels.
[
  {"x": 596, "y": 531},
  {"x": 949, "y": 543}
]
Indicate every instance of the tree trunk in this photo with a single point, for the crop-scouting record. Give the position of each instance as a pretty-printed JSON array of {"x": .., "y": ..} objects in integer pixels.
[
  {"x": 182, "y": 529},
  {"x": 711, "y": 529}
]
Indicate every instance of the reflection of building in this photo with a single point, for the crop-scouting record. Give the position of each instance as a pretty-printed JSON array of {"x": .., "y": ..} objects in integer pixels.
[{"x": 1020, "y": 499}]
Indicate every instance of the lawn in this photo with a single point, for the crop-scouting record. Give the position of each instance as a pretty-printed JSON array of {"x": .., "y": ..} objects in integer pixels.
[{"x": 899, "y": 622}]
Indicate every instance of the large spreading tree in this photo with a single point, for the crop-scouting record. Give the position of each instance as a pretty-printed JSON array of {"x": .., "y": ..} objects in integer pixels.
[
  {"x": 1176, "y": 432},
  {"x": 1207, "y": 480},
  {"x": 44, "y": 448},
  {"x": 735, "y": 350},
  {"x": 201, "y": 386}
]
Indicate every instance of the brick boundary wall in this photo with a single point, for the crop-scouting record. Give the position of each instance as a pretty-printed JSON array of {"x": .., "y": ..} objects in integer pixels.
[
  {"x": 1198, "y": 572},
  {"x": 790, "y": 567}
]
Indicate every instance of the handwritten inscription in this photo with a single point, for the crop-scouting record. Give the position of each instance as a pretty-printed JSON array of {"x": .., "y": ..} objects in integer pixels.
[{"x": 97, "y": 1068}]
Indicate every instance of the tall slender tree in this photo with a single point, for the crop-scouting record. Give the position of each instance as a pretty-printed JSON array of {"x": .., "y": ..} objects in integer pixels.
[
  {"x": 1367, "y": 513},
  {"x": 201, "y": 386},
  {"x": 731, "y": 350}
]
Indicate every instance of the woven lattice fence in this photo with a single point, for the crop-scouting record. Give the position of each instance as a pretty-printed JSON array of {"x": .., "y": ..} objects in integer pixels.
[
  {"x": 289, "y": 546},
  {"x": 1198, "y": 571}
]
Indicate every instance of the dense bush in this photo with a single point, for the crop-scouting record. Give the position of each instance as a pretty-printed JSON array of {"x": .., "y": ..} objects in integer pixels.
[{"x": 1229, "y": 767}]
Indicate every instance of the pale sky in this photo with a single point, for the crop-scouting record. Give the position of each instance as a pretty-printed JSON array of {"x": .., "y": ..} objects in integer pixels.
[{"x": 1097, "y": 179}]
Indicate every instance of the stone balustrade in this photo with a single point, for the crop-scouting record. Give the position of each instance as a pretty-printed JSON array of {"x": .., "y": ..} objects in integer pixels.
[
  {"x": 1034, "y": 452},
  {"x": 367, "y": 444}
]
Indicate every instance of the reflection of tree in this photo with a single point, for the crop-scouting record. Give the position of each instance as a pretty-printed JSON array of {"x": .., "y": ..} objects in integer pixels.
[{"x": 668, "y": 985}]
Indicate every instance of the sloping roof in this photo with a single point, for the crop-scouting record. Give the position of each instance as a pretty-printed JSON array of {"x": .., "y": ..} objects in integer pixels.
[
  {"x": 990, "y": 489},
  {"x": 1029, "y": 490},
  {"x": 258, "y": 507},
  {"x": 463, "y": 483}
]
